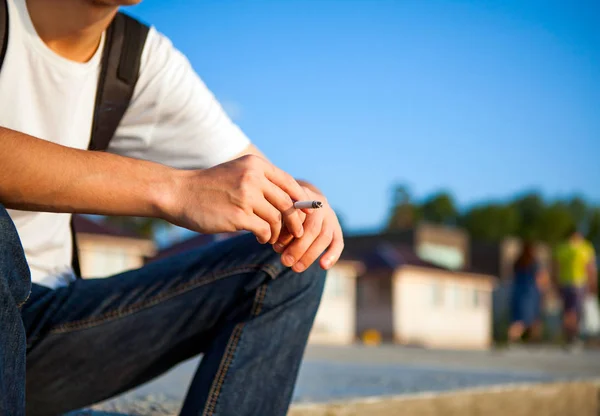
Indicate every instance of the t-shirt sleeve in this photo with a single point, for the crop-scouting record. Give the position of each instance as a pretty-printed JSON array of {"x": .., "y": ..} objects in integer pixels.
[{"x": 173, "y": 117}]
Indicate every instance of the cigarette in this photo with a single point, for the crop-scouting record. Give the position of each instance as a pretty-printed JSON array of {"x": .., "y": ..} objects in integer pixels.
[{"x": 308, "y": 204}]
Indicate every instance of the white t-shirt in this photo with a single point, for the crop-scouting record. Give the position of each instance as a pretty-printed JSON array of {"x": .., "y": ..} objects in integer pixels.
[{"x": 172, "y": 119}]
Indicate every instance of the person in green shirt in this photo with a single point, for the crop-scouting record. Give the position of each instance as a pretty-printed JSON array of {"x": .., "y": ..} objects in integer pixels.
[{"x": 575, "y": 276}]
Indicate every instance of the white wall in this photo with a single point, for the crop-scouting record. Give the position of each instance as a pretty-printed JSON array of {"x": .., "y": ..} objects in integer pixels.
[
  {"x": 106, "y": 256},
  {"x": 336, "y": 318},
  {"x": 437, "y": 310}
]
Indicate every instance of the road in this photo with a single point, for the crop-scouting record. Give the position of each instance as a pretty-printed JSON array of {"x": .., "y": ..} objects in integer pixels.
[{"x": 337, "y": 373}]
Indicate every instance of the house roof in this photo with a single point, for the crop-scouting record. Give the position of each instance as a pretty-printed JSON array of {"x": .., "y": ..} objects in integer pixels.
[
  {"x": 387, "y": 255},
  {"x": 402, "y": 255},
  {"x": 390, "y": 250},
  {"x": 84, "y": 225}
]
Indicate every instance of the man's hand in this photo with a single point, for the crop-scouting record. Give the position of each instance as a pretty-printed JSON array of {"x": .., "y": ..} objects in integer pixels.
[
  {"x": 245, "y": 194},
  {"x": 322, "y": 233}
]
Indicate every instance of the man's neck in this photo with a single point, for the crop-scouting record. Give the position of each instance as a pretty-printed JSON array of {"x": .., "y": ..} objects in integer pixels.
[{"x": 71, "y": 28}]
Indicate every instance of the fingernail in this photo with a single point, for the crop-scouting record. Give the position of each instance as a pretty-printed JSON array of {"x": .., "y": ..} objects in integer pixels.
[
  {"x": 299, "y": 267},
  {"x": 301, "y": 232},
  {"x": 278, "y": 247},
  {"x": 328, "y": 261},
  {"x": 288, "y": 260}
]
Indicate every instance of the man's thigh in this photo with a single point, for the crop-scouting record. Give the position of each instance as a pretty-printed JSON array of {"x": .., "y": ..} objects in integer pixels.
[{"x": 99, "y": 337}]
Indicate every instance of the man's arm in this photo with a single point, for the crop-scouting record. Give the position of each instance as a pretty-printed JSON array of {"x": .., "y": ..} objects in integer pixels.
[
  {"x": 245, "y": 194},
  {"x": 39, "y": 175}
]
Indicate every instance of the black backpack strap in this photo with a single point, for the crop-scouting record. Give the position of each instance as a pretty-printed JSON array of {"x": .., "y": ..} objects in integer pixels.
[
  {"x": 75, "y": 250},
  {"x": 3, "y": 30},
  {"x": 121, "y": 59}
]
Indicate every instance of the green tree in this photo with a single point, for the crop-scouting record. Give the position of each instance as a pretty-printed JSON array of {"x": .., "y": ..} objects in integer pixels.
[
  {"x": 593, "y": 233},
  {"x": 555, "y": 221},
  {"x": 404, "y": 213},
  {"x": 530, "y": 208},
  {"x": 579, "y": 211},
  {"x": 440, "y": 209},
  {"x": 491, "y": 222}
]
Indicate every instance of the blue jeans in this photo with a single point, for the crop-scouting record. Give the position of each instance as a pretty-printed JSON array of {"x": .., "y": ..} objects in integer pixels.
[
  {"x": 15, "y": 284},
  {"x": 234, "y": 302}
]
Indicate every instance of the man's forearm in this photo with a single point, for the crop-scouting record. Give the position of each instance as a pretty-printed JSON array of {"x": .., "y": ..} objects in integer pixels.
[{"x": 39, "y": 175}]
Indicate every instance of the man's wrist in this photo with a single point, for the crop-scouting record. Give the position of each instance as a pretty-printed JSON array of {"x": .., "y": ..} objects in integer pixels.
[{"x": 164, "y": 191}]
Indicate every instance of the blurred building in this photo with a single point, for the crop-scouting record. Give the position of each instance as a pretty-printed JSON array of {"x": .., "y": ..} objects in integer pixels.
[
  {"x": 444, "y": 246},
  {"x": 335, "y": 322},
  {"x": 408, "y": 300},
  {"x": 106, "y": 250}
]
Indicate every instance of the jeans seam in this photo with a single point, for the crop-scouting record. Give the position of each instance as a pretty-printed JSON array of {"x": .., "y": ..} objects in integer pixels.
[
  {"x": 260, "y": 297},
  {"x": 215, "y": 391},
  {"x": 178, "y": 290}
]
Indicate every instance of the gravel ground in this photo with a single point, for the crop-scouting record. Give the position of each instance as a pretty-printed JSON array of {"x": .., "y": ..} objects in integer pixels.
[{"x": 334, "y": 373}]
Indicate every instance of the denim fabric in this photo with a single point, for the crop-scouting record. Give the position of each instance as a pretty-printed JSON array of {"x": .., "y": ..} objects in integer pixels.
[
  {"x": 234, "y": 302},
  {"x": 15, "y": 284}
]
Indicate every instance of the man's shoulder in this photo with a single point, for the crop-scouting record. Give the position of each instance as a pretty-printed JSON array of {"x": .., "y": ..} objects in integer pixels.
[{"x": 160, "y": 54}]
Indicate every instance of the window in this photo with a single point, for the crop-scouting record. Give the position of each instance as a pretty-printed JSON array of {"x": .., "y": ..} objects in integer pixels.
[
  {"x": 455, "y": 296},
  {"x": 437, "y": 294},
  {"x": 447, "y": 256}
]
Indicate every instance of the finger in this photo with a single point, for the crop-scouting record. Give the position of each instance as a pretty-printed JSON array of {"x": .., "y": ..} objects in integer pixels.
[
  {"x": 296, "y": 249},
  {"x": 315, "y": 250},
  {"x": 283, "y": 202},
  {"x": 333, "y": 253},
  {"x": 286, "y": 182},
  {"x": 271, "y": 215},
  {"x": 259, "y": 227},
  {"x": 285, "y": 238}
]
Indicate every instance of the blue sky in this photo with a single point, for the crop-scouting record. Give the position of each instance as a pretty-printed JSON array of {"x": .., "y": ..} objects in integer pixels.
[{"x": 483, "y": 98}]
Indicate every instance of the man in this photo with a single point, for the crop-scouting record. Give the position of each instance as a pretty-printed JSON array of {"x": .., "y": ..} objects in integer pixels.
[
  {"x": 246, "y": 305},
  {"x": 576, "y": 277}
]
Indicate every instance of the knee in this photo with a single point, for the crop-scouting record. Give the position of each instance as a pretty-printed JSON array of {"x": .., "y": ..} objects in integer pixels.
[
  {"x": 315, "y": 278},
  {"x": 284, "y": 283},
  {"x": 305, "y": 289}
]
